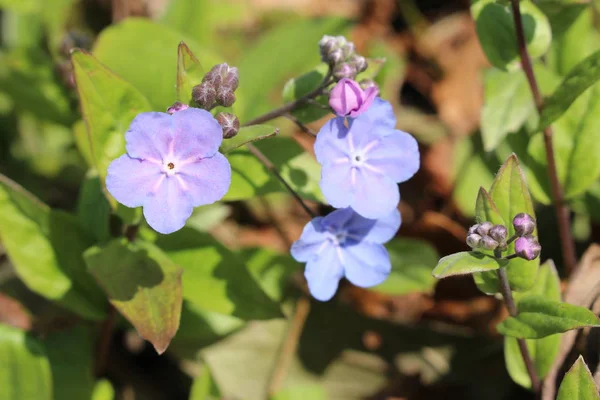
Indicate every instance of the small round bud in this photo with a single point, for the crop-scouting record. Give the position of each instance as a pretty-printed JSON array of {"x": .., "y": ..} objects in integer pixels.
[
  {"x": 348, "y": 50},
  {"x": 225, "y": 96},
  {"x": 527, "y": 247},
  {"x": 232, "y": 78},
  {"x": 359, "y": 62},
  {"x": 334, "y": 57},
  {"x": 498, "y": 233},
  {"x": 205, "y": 95},
  {"x": 524, "y": 224},
  {"x": 484, "y": 228},
  {"x": 326, "y": 45},
  {"x": 213, "y": 77},
  {"x": 344, "y": 70},
  {"x": 473, "y": 229},
  {"x": 474, "y": 240},
  {"x": 230, "y": 124},
  {"x": 177, "y": 106},
  {"x": 488, "y": 243}
]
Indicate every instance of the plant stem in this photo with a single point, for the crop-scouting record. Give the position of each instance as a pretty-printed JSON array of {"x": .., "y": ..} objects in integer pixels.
[
  {"x": 105, "y": 340},
  {"x": 512, "y": 310},
  {"x": 561, "y": 208},
  {"x": 300, "y": 125}
]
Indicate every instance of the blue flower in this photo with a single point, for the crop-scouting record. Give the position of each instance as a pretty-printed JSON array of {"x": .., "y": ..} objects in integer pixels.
[
  {"x": 172, "y": 165},
  {"x": 344, "y": 244},
  {"x": 363, "y": 162}
]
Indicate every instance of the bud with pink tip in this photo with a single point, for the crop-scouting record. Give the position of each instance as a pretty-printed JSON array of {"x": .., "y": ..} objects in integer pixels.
[
  {"x": 527, "y": 247},
  {"x": 348, "y": 99},
  {"x": 524, "y": 224}
]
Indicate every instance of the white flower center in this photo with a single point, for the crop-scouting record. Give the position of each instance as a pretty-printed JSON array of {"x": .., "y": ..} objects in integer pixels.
[{"x": 170, "y": 168}]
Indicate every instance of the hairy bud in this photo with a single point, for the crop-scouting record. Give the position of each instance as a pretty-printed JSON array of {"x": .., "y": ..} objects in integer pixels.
[
  {"x": 524, "y": 224},
  {"x": 225, "y": 96},
  {"x": 498, "y": 233},
  {"x": 205, "y": 95},
  {"x": 484, "y": 228},
  {"x": 527, "y": 247},
  {"x": 358, "y": 62},
  {"x": 344, "y": 70},
  {"x": 488, "y": 243},
  {"x": 230, "y": 124},
  {"x": 474, "y": 240}
]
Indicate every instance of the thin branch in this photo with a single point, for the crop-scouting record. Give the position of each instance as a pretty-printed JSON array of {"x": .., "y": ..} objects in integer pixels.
[
  {"x": 289, "y": 346},
  {"x": 512, "y": 310},
  {"x": 301, "y": 125},
  {"x": 561, "y": 208},
  {"x": 106, "y": 335}
]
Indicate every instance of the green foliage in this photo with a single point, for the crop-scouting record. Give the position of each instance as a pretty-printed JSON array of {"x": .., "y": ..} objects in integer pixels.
[
  {"x": 103, "y": 390},
  {"x": 93, "y": 210},
  {"x": 248, "y": 134},
  {"x": 542, "y": 351},
  {"x": 539, "y": 317},
  {"x": 412, "y": 262},
  {"x": 25, "y": 368},
  {"x": 578, "y": 383},
  {"x": 497, "y": 33},
  {"x": 272, "y": 270},
  {"x": 143, "y": 284},
  {"x": 465, "y": 262},
  {"x": 189, "y": 73},
  {"x": 204, "y": 386},
  {"x": 301, "y": 392},
  {"x": 297, "y": 87}
]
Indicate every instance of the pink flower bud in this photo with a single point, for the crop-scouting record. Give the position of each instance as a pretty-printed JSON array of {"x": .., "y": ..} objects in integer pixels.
[
  {"x": 348, "y": 99},
  {"x": 527, "y": 247}
]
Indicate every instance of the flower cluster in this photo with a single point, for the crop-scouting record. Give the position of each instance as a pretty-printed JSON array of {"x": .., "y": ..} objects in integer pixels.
[
  {"x": 363, "y": 158},
  {"x": 342, "y": 57},
  {"x": 217, "y": 88},
  {"x": 486, "y": 236}
]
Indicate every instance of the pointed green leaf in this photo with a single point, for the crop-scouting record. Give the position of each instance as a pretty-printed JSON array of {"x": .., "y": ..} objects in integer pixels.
[
  {"x": 215, "y": 279},
  {"x": 511, "y": 196},
  {"x": 302, "y": 85},
  {"x": 143, "y": 284},
  {"x": 45, "y": 247},
  {"x": 204, "y": 386},
  {"x": 539, "y": 317},
  {"x": 108, "y": 104},
  {"x": 464, "y": 263},
  {"x": 577, "y": 81},
  {"x": 189, "y": 73},
  {"x": 248, "y": 134},
  {"x": 24, "y": 365},
  {"x": 543, "y": 351},
  {"x": 578, "y": 383}
]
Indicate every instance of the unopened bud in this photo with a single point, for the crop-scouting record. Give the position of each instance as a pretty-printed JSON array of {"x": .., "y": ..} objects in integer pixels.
[
  {"x": 524, "y": 224},
  {"x": 230, "y": 124},
  {"x": 484, "y": 228},
  {"x": 326, "y": 45},
  {"x": 344, "y": 70},
  {"x": 359, "y": 62},
  {"x": 527, "y": 247},
  {"x": 334, "y": 57},
  {"x": 177, "y": 107},
  {"x": 232, "y": 78},
  {"x": 488, "y": 243},
  {"x": 225, "y": 96},
  {"x": 498, "y": 233},
  {"x": 348, "y": 50},
  {"x": 473, "y": 229},
  {"x": 474, "y": 240},
  {"x": 205, "y": 95}
]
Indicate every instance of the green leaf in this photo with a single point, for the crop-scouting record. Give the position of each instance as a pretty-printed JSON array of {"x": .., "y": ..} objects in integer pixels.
[
  {"x": 45, "y": 248},
  {"x": 511, "y": 196},
  {"x": 497, "y": 34},
  {"x": 561, "y": 14},
  {"x": 108, "y": 104},
  {"x": 93, "y": 210},
  {"x": 539, "y": 317},
  {"x": 302, "y": 85},
  {"x": 578, "y": 383},
  {"x": 189, "y": 73},
  {"x": 412, "y": 262},
  {"x": 71, "y": 359},
  {"x": 24, "y": 365},
  {"x": 215, "y": 279},
  {"x": 204, "y": 386},
  {"x": 577, "y": 81},
  {"x": 103, "y": 391},
  {"x": 272, "y": 270},
  {"x": 248, "y": 134},
  {"x": 301, "y": 392},
  {"x": 464, "y": 263},
  {"x": 143, "y": 284},
  {"x": 542, "y": 351},
  {"x": 148, "y": 58}
]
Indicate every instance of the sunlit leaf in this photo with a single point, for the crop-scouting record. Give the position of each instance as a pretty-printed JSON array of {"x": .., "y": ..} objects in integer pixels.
[
  {"x": 464, "y": 263},
  {"x": 578, "y": 383}
]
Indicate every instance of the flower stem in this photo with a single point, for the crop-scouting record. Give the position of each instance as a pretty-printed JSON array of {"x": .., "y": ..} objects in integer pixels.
[
  {"x": 561, "y": 208},
  {"x": 512, "y": 310}
]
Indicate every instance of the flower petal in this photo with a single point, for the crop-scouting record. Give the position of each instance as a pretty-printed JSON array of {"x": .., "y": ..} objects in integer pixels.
[
  {"x": 336, "y": 184},
  {"x": 130, "y": 180},
  {"x": 375, "y": 194},
  {"x": 197, "y": 134},
  {"x": 312, "y": 238},
  {"x": 366, "y": 264},
  {"x": 149, "y": 135},
  {"x": 323, "y": 274},
  {"x": 328, "y": 146},
  {"x": 379, "y": 230},
  {"x": 380, "y": 113},
  {"x": 397, "y": 156},
  {"x": 368, "y": 96},
  {"x": 167, "y": 209},
  {"x": 207, "y": 180}
]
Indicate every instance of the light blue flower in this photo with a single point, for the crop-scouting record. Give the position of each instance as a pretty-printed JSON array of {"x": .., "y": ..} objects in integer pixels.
[
  {"x": 363, "y": 162},
  {"x": 344, "y": 244},
  {"x": 172, "y": 165}
]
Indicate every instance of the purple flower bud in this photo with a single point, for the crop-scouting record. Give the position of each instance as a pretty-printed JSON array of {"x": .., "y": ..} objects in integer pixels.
[
  {"x": 527, "y": 247},
  {"x": 484, "y": 228},
  {"x": 177, "y": 106},
  {"x": 348, "y": 50},
  {"x": 326, "y": 45},
  {"x": 205, "y": 95},
  {"x": 473, "y": 229},
  {"x": 348, "y": 99},
  {"x": 344, "y": 70},
  {"x": 230, "y": 124},
  {"x": 334, "y": 57},
  {"x": 474, "y": 240},
  {"x": 359, "y": 62},
  {"x": 232, "y": 78},
  {"x": 524, "y": 224},
  {"x": 498, "y": 233},
  {"x": 488, "y": 243},
  {"x": 225, "y": 96}
]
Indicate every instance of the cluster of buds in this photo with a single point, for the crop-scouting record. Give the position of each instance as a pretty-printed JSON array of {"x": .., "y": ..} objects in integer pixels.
[
  {"x": 342, "y": 57},
  {"x": 217, "y": 88},
  {"x": 487, "y": 236}
]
